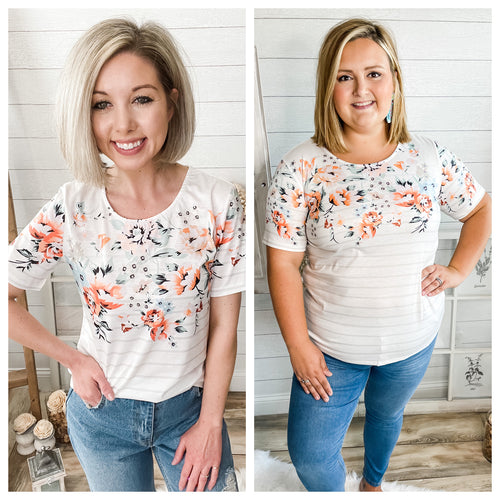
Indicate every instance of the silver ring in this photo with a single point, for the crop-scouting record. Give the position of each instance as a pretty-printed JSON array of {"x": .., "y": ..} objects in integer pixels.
[
  {"x": 305, "y": 381},
  {"x": 215, "y": 467},
  {"x": 205, "y": 477},
  {"x": 439, "y": 280}
]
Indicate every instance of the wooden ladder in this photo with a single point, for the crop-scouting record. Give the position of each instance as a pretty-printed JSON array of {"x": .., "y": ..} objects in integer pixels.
[{"x": 26, "y": 376}]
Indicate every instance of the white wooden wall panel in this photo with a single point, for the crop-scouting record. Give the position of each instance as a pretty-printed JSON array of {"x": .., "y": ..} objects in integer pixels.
[
  {"x": 296, "y": 77},
  {"x": 213, "y": 43},
  {"x": 475, "y": 113},
  {"x": 81, "y": 19},
  {"x": 301, "y": 38},
  {"x": 414, "y": 14},
  {"x": 23, "y": 92},
  {"x": 31, "y": 120},
  {"x": 446, "y": 62}
]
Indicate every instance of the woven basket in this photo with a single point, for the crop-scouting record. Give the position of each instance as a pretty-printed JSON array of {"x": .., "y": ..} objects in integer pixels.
[{"x": 487, "y": 439}]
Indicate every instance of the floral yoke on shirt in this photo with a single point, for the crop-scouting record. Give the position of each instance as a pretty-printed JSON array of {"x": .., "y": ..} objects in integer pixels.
[
  {"x": 330, "y": 201},
  {"x": 138, "y": 277}
]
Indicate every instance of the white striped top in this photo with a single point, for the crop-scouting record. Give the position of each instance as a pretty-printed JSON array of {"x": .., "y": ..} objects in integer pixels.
[
  {"x": 145, "y": 285},
  {"x": 368, "y": 231}
]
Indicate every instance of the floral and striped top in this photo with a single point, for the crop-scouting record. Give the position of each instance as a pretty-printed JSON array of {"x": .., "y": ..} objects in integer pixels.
[
  {"x": 145, "y": 285},
  {"x": 368, "y": 230}
]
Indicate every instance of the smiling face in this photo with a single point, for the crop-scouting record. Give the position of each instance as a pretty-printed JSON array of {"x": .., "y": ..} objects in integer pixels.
[
  {"x": 130, "y": 112},
  {"x": 364, "y": 88}
]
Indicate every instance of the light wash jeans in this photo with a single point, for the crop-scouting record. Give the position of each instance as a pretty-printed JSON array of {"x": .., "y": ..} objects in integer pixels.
[
  {"x": 115, "y": 441},
  {"x": 316, "y": 429}
]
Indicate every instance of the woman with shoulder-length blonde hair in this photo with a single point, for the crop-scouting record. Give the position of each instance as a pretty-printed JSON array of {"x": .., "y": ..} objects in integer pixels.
[
  {"x": 327, "y": 122},
  {"x": 361, "y": 201},
  {"x": 157, "y": 252}
]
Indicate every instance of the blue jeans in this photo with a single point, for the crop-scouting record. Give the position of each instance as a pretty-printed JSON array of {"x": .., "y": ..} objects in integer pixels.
[
  {"x": 316, "y": 429},
  {"x": 115, "y": 441}
]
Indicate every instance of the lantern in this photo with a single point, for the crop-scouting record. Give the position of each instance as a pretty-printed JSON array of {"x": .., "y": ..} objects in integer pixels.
[{"x": 47, "y": 470}]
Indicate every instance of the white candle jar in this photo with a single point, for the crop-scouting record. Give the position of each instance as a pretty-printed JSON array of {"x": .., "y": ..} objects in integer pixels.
[
  {"x": 24, "y": 425},
  {"x": 44, "y": 435}
]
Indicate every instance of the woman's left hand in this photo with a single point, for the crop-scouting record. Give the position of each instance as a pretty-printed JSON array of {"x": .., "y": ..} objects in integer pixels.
[
  {"x": 437, "y": 278},
  {"x": 201, "y": 447}
]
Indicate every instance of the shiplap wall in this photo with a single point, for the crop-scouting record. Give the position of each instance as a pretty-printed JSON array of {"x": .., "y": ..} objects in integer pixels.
[
  {"x": 39, "y": 41},
  {"x": 446, "y": 62}
]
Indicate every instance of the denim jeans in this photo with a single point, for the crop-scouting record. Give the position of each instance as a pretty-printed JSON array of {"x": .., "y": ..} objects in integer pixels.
[
  {"x": 115, "y": 441},
  {"x": 316, "y": 429}
]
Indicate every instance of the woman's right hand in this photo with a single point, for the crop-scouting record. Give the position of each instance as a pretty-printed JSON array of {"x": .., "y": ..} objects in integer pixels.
[
  {"x": 89, "y": 381},
  {"x": 310, "y": 368}
]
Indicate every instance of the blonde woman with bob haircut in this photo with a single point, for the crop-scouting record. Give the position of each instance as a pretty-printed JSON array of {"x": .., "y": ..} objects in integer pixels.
[
  {"x": 77, "y": 86},
  {"x": 361, "y": 202},
  {"x": 157, "y": 253}
]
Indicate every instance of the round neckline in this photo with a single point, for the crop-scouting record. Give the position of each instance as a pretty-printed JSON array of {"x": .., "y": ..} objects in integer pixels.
[
  {"x": 384, "y": 160},
  {"x": 159, "y": 214}
]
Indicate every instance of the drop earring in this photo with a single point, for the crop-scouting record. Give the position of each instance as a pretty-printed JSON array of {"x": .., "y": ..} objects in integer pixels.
[{"x": 388, "y": 118}]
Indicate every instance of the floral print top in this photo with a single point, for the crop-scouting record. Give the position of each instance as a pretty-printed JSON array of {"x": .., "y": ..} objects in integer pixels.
[
  {"x": 145, "y": 285},
  {"x": 368, "y": 231}
]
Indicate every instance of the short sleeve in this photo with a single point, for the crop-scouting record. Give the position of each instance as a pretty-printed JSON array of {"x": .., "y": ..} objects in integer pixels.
[
  {"x": 38, "y": 248},
  {"x": 228, "y": 268},
  {"x": 460, "y": 193},
  {"x": 286, "y": 211}
]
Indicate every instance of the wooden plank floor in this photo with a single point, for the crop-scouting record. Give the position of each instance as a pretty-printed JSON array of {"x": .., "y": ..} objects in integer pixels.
[
  {"x": 19, "y": 479},
  {"x": 438, "y": 451}
]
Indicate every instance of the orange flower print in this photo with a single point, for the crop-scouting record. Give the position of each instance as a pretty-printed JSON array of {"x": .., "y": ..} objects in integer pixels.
[
  {"x": 406, "y": 198},
  {"x": 186, "y": 279},
  {"x": 194, "y": 239},
  {"x": 305, "y": 168},
  {"x": 281, "y": 224},
  {"x": 312, "y": 201},
  {"x": 399, "y": 164},
  {"x": 326, "y": 174},
  {"x": 235, "y": 260},
  {"x": 447, "y": 174},
  {"x": 158, "y": 325},
  {"x": 224, "y": 233},
  {"x": 341, "y": 197},
  {"x": 423, "y": 203},
  {"x": 297, "y": 198},
  {"x": 469, "y": 185},
  {"x": 49, "y": 237},
  {"x": 98, "y": 298},
  {"x": 368, "y": 227},
  {"x": 79, "y": 220},
  {"x": 103, "y": 239}
]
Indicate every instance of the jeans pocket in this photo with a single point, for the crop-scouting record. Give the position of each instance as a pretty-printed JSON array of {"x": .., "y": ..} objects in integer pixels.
[{"x": 98, "y": 406}]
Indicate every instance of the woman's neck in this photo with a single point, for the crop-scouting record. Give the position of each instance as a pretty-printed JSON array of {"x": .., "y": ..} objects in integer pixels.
[
  {"x": 143, "y": 194},
  {"x": 367, "y": 148}
]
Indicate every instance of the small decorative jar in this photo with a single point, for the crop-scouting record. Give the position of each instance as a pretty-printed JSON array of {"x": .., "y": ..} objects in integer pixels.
[
  {"x": 23, "y": 427},
  {"x": 44, "y": 436},
  {"x": 56, "y": 411}
]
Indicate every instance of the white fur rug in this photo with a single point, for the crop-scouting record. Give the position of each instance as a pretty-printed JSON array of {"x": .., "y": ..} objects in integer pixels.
[{"x": 273, "y": 475}]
